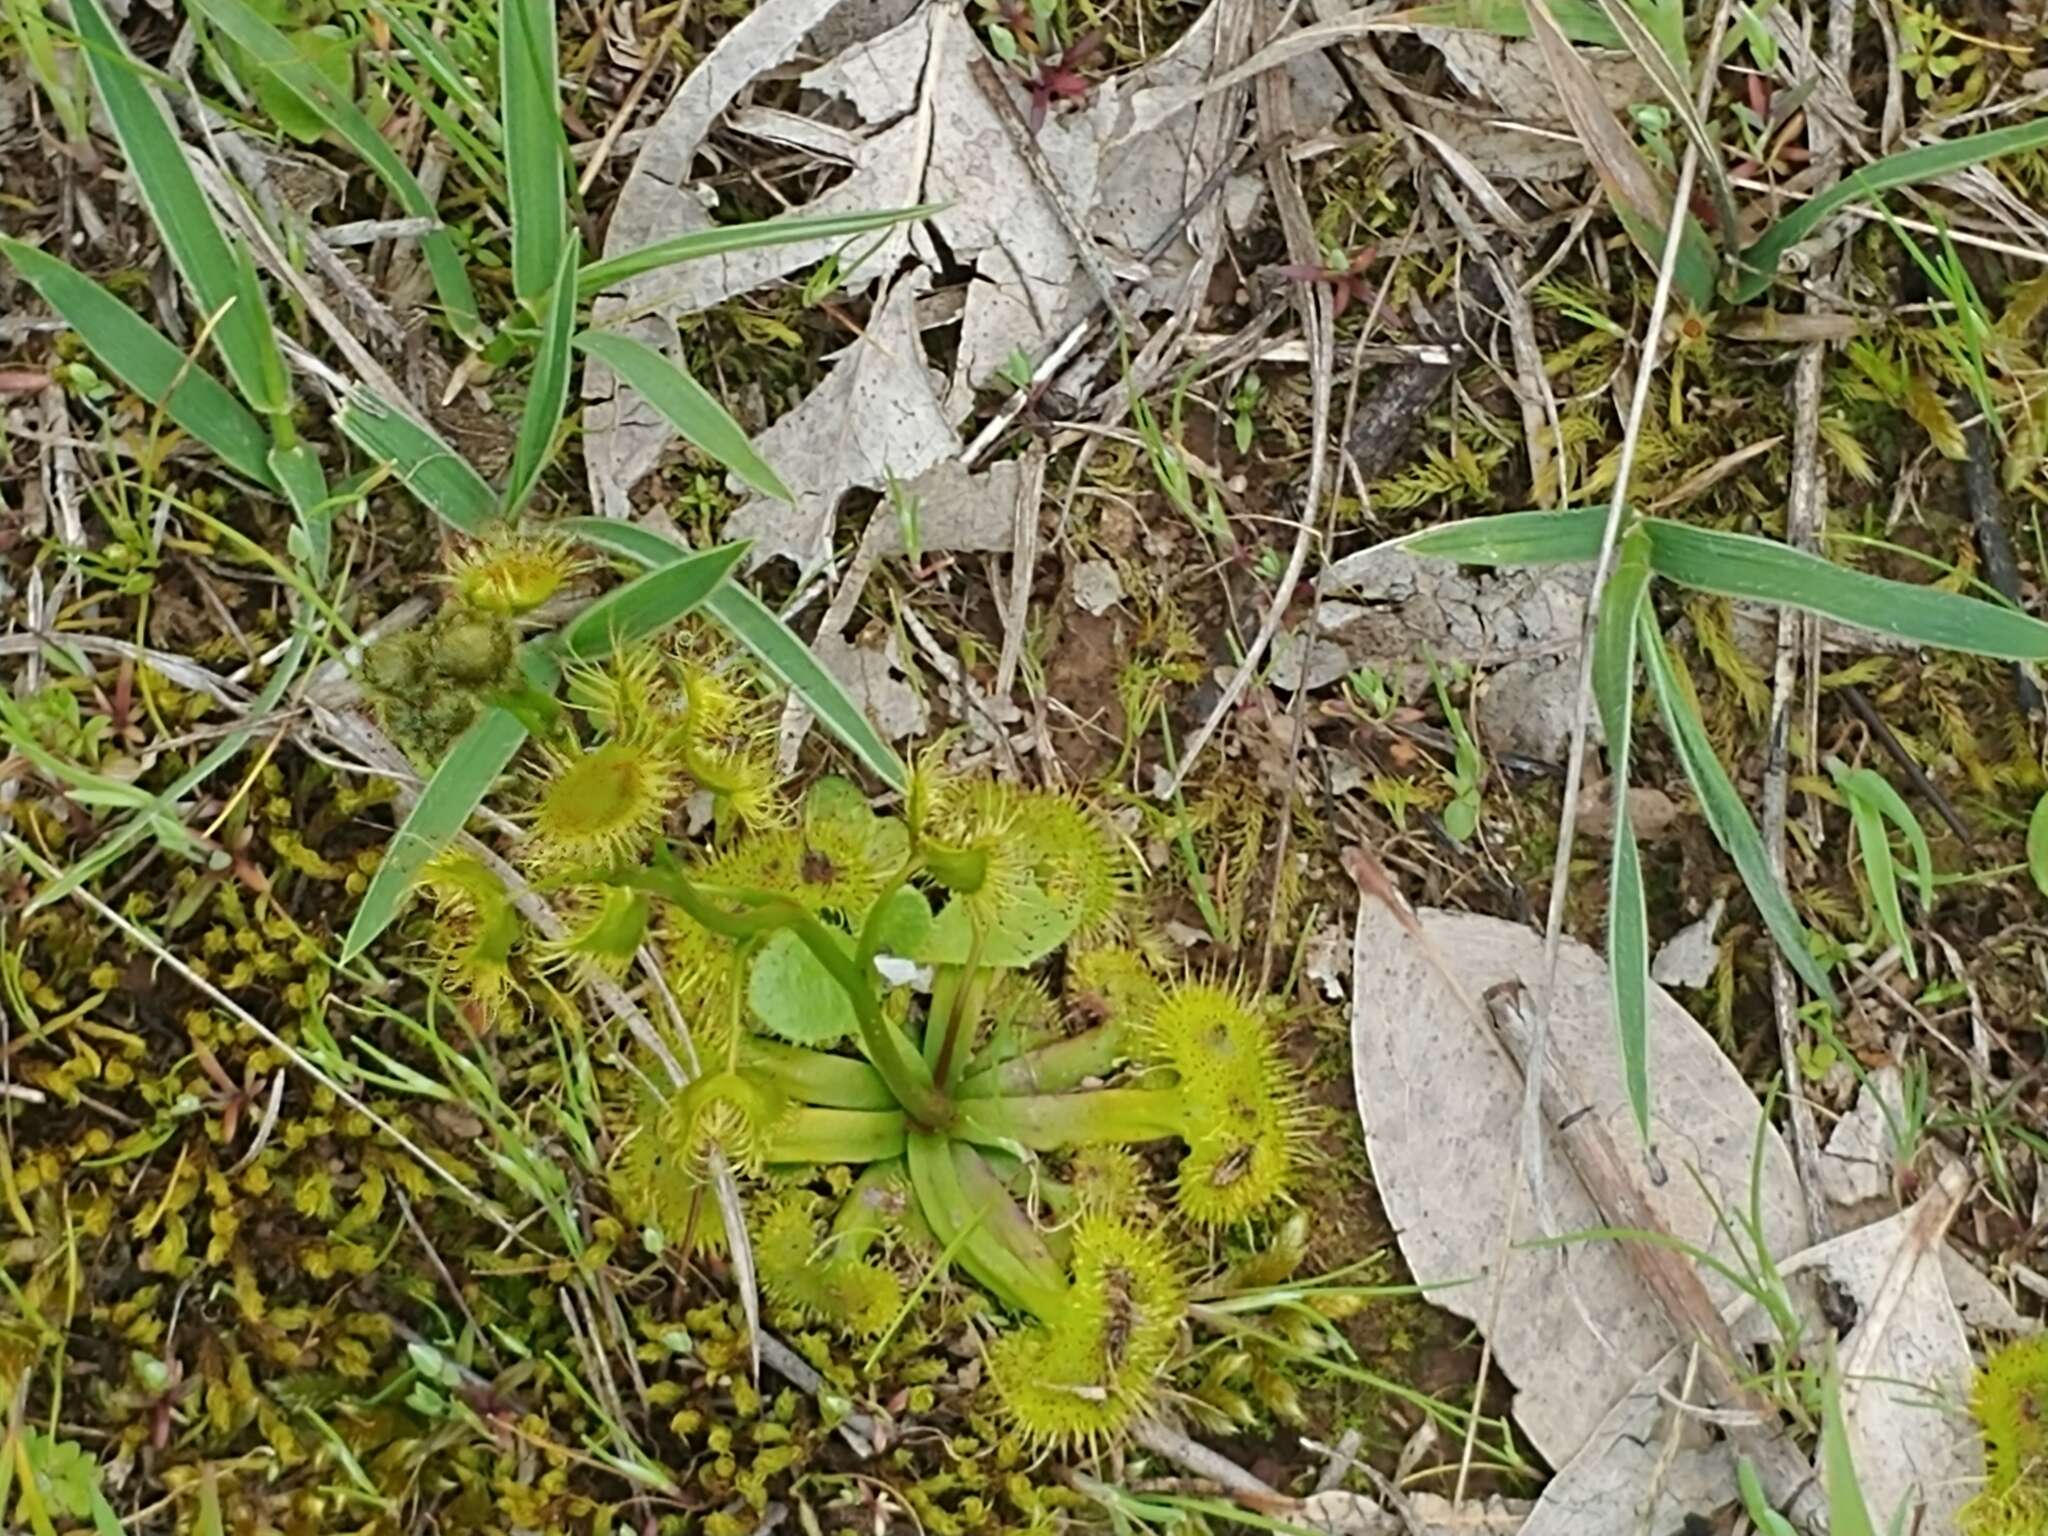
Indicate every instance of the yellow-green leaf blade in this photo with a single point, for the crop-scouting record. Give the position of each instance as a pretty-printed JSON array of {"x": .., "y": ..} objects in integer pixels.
[
  {"x": 217, "y": 272},
  {"x": 435, "y": 473},
  {"x": 547, "y": 391},
  {"x": 148, "y": 362},
  {"x": 536, "y": 150},
  {"x": 686, "y": 405},
  {"x": 1760, "y": 261},
  {"x": 274, "y": 53},
  {"x": 728, "y": 238},
  {"x": 1727, "y": 816},
  {"x": 649, "y": 603},
  {"x": 1762, "y": 570}
]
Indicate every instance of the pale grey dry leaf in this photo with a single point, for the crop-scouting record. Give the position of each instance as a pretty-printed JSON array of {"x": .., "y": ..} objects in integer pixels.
[
  {"x": 876, "y": 415},
  {"x": 1911, "y": 1444},
  {"x": 624, "y": 437},
  {"x": 1521, "y": 626},
  {"x": 875, "y": 679},
  {"x": 1856, "y": 1164},
  {"x": 1339, "y": 1512},
  {"x": 1614, "y": 1486},
  {"x": 1690, "y": 956},
  {"x": 1097, "y": 587},
  {"x": 1444, "y": 1176},
  {"x": 955, "y": 510},
  {"x": 1520, "y": 129}
]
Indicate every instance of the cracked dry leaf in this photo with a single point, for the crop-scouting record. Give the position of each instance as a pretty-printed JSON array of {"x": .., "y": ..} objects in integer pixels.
[
  {"x": 624, "y": 438},
  {"x": 876, "y": 415},
  {"x": 872, "y": 674},
  {"x": 932, "y": 133},
  {"x": 1442, "y": 1107},
  {"x": 1515, "y": 126}
]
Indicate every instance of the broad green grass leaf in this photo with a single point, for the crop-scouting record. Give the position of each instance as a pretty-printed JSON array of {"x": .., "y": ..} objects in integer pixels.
[
  {"x": 1848, "y": 1513},
  {"x": 216, "y": 270},
  {"x": 424, "y": 464},
  {"x": 283, "y": 64},
  {"x": 1867, "y": 784},
  {"x": 536, "y": 150},
  {"x": 1743, "y": 565},
  {"x": 1726, "y": 815},
  {"x": 148, "y": 362},
  {"x": 1515, "y": 538},
  {"x": 773, "y": 643},
  {"x": 547, "y": 391},
  {"x": 1623, "y": 601},
  {"x": 649, "y": 603},
  {"x": 1763, "y": 570},
  {"x": 794, "y": 997},
  {"x": 458, "y": 786},
  {"x": 968, "y": 1217},
  {"x": 609, "y": 273},
  {"x": 686, "y": 405},
  {"x": 1872, "y": 803},
  {"x": 2037, "y": 845},
  {"x": 1759, "y": 263},
  {"x": 1756, "y": 1503},
  {"x": 1582, "y": 21},
  {"x": 297, "y": 469}
]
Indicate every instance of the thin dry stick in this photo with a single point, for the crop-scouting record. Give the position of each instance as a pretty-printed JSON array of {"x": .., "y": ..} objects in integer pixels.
[
  {"x": 1529, "y": 1154},
  {"x": 1312, "y": 304},
  {"x": 1668, "y": 1275}
]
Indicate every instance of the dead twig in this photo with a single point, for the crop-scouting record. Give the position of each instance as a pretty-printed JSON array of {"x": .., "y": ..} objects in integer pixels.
[
  {"x": 1987, "y": 520},
  {"x": 1667, "y": 1274}
]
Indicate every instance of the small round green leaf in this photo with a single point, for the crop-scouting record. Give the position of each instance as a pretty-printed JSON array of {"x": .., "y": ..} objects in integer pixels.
[{"x": 794, "y": 997}]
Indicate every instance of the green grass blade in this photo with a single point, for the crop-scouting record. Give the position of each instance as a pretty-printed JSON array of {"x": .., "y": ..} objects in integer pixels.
[
  {"x": 218, "y": 273},
  {"x": 457, "y": 788},
  {"x": 275, "y": 55},
  {"x": 1872, "y": 804},
  {"x": 773, "y": 643},
  {"x": 1848, "y": 1514},
  {"x": 148, "y": 362},
  {"x": 31, "y": 28},
  {"x": 687, "y": 406},
  {"x": 2037, "y": 845},
  {"x": 426, "y": 466},
  {"x": 1889, "y": 804},
  {"x": 1628, "y": 963},
  {"x": 1745, "y": 566},
  {"x": 440, "y": 66},
  {"x": 536, "y": 151},
  {"x": 613, "y": 270},
  {"x": 1582, "y": 21},
  {"x": 138, "y": 826},
  {"x": 1759, "y": 262},
  {"x": 1726, "y": 815},
  {"x": 547, "y": 392},
  {"x": 297, "y": 469},
  {"x": 1623, "y": 601},
  {"x": 649, "y": 603},
  {"x": 1516, "y": 538},
  {"x": 1882, "y": 871}
]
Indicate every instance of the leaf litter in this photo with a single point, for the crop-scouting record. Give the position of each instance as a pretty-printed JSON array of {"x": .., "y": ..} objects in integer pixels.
[
  {"x": 923, "y": 129},
  {"x": 1597, "y": 1370}
]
